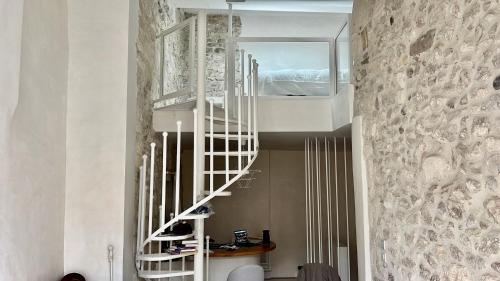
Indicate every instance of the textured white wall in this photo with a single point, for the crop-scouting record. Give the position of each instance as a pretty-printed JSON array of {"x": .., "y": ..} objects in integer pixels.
[
  {"x": 97, "y": 138},
  {"x": 427, "y": 86},
  {"x": 34, "y": 59}
]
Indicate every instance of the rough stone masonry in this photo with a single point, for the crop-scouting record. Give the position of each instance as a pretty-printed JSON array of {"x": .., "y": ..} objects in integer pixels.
[{"x": 427, "y": 83}]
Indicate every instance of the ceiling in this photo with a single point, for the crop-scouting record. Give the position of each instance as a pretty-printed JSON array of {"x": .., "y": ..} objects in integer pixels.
[{"x": 312, "y": 6}]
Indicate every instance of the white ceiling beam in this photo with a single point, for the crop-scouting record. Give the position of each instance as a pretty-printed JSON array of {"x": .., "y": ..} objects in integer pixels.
[{"x": 276, "y": 6}]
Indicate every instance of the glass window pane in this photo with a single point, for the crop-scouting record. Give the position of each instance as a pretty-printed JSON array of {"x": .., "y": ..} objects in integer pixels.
[
  {"x": 176, "y": 72},
  {"x": 342, "y": 59},
  {"x": 291, "y": 68}
]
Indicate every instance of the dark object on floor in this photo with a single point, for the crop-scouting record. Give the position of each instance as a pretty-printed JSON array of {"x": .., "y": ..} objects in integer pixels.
[
  {"x": 73, "y": 277},
  {"x": 317, "y": 272},
  {"x": 181, "y": 228}
]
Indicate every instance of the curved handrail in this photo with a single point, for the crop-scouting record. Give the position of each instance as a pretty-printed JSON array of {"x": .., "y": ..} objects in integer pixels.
[{"x": 201, "y": 202}]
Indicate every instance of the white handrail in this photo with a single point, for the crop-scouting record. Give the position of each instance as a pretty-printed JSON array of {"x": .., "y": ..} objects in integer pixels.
[{"x": 201, "y": 202}]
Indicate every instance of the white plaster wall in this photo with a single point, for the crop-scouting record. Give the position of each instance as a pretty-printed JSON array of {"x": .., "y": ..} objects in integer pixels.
[
  {"x": 34, "y": 59},
  {"x": 97, "y": 138},
  {"x": 275, "y": 114},
  {"x": 130, "y": 216}
]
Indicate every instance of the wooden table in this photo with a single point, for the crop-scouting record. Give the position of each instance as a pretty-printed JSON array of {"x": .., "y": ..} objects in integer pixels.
[
  {"x": 223, "y": 261},
  {"x": 243, "y": 251}
]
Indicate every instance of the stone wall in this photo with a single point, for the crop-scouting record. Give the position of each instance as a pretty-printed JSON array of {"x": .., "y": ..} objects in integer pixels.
[
  {"x": 426, "y": 80},
  {"x": 153, "y": 17},
  {"x": 216, "y": 52}
]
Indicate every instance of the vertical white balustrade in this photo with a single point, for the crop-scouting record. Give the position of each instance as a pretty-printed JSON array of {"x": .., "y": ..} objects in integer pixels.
[
  {"x": 207, "y": 257},
  {"x": 178, "y": 169},
  {"x": 328, "y": 202},
  {"x": 139, "y": 212},
  {"x": 239, "y": 129},
  {"x": 318, "y": 194},
  {"x": 249, "y": 108},
  {"x": 306, "y": 173},
  {"x": 195, "y": 154},
  {"x": 160, "y": 212},
  {"x": 337, "y": 203},
  {"x": 211, "y": 146},
  {"x": 143, "y": 203},
  {"x": 255, "y": 94},
  {"x": 200, "y": 106},
  {"x": 313, "y": 202},
  {"x": 183, "y": 268},
  {"x": 163, "y": 179},
  {"x": 170, "y": 243},
  {"x": 151, "y": 189},
  {"x": 226, "y": 130}
]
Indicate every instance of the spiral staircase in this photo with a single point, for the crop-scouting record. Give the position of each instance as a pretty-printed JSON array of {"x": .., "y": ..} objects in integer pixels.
[{"x": 227, "y": 131}]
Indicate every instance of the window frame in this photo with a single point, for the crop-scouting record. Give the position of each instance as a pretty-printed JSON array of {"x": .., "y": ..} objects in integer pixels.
[{"x": 332, "y": 57}]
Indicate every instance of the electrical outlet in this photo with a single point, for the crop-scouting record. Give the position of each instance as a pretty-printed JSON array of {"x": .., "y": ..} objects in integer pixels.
[{"x": 384, "y": 254}]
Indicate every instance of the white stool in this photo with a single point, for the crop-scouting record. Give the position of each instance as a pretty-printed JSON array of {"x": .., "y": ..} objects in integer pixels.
[{"x": 247, "y": 273}]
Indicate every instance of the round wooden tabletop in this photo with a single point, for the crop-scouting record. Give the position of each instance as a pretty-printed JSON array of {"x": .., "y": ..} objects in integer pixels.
[{"x": 244, "y": 251}]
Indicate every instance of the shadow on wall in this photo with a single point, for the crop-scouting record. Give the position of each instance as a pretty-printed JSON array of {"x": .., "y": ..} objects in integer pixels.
[{"x": 276, "y": 201}]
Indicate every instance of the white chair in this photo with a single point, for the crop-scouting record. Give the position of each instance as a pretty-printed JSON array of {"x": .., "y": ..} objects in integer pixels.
[{"x": 247, "y": 273}]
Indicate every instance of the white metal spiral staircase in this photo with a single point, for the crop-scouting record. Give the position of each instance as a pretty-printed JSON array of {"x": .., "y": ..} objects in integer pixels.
[{"x": 234, "y": 125}]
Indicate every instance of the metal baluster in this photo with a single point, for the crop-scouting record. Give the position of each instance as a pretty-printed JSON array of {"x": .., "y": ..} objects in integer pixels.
[{"x": 178, "y": 169}]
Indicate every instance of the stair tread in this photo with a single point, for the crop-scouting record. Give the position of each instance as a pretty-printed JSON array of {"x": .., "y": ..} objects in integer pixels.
[
  {"x": 197, "y": 216},
  {"x": 223, "y": 172},
  {"x": 230, "y": 153},
  {"x": 167, "y": 237},
  {"x": 186, "y": 104},
  {"x": 230, "y": 136},
  {"x": 163, "y": 256},
  {"x": 221, "y": 194},
  {"x": 164, "y": 273}
]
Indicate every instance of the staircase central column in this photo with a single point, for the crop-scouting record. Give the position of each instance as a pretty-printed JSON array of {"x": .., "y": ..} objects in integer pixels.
[{"x": 200, "y": 150}]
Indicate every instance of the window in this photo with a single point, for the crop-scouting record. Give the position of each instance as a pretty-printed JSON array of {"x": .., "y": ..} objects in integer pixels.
[{"x": 291, "y": 68}]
